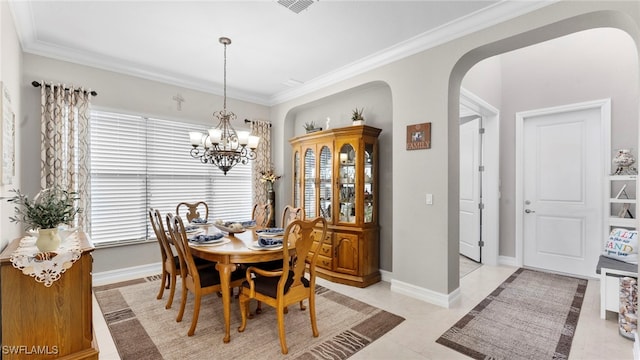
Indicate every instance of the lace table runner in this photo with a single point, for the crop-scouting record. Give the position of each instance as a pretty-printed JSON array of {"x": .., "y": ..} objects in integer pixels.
[{"x": 46, "y": 267}]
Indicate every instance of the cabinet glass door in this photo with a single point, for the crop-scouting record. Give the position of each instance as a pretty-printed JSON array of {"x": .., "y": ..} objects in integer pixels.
[
  {"x": 296, "y": 179},
  {"x": 347, "y": 181},
  {"x": 368, "y": 183},
  {"x": 325, "y": 183},
  {"x": 310, "y": 183}
]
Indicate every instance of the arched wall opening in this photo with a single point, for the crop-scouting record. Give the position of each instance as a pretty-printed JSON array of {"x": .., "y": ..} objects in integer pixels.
[{"x": 600, "y": 19}]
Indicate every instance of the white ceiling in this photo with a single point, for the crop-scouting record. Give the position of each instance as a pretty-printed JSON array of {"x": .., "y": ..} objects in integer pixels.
[{"x": 275, "y": 53}]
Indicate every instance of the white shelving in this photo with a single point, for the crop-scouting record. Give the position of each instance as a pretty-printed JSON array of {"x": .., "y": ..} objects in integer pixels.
[{"x": 621, "y": 196}]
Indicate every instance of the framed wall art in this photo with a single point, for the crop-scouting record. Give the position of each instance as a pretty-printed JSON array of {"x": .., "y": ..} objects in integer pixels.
[
  {"x": 8, "y": 137},
  {"x": 419, "y": 136}
]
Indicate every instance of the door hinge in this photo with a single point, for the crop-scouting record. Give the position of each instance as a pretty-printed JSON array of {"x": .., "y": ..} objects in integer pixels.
[
  {"x": 481, "y": 243},
  {"x": 481, "y": 131},
  {"x": 481, "y": 168},
  {"x": 480, "y": 206}
]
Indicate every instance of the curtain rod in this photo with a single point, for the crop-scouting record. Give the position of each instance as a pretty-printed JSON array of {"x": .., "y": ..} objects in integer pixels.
[
  {"x": 37, "y": 84},
  {"x": 246, "y": 121}
]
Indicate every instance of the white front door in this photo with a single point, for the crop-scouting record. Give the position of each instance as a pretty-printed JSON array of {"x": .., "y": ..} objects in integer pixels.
[
  {"x": 470, "y": 212},
  {"x": 562, "y": 184}
]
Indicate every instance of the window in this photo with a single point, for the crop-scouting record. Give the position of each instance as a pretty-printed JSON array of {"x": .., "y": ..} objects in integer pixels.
[{"x": 138, "y": 163}]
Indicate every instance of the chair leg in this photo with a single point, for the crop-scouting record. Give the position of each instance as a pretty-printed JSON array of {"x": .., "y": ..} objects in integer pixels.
[
  {"x": 182, "y": 303},
  {"x": 283, "y": 340},
  {"x": 196, "y": 312},
  {"x": 172, "y": 291},
  {"x": 312, "y": 313},
  {"x": 244, "y": 309},
  {"x": 165, "y": 277},
  {"x": 259, "y": 308},
  {"x": 302, "y": 307}
]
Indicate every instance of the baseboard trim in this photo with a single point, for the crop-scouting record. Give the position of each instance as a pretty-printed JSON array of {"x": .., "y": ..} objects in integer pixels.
[
  {"x": 130, "y": 273},
  {"x": 386, "y": 275},
  {"x": 432, "y": 297},
  {"x": 507, "y": 260}
]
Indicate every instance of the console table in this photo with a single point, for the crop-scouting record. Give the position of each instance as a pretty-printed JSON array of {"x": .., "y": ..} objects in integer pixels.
[{"x": 55, "y": 322}]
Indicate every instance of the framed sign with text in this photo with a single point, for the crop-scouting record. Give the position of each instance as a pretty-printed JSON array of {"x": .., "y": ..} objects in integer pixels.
[{"x": 419, "y": 136}]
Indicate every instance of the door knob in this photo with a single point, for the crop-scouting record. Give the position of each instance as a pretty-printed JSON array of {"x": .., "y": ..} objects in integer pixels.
[{"x": 529, "y": 211}]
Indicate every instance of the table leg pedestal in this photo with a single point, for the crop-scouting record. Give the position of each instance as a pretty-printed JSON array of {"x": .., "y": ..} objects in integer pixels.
[{"x": 225, "y": 271}]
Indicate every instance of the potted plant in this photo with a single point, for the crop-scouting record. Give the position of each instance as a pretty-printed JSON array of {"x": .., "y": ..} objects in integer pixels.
[
  {"x": 356, "y": 116},
  {"x": 48, "y": 209},
  {"x": 311, "y": 127}
]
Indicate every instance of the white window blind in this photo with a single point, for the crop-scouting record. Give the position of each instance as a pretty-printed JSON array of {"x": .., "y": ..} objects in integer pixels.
[{"x": 138, "y": 163}]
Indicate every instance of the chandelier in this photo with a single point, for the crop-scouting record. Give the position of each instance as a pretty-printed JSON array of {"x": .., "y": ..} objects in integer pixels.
[{"x": 223, "y": 146}]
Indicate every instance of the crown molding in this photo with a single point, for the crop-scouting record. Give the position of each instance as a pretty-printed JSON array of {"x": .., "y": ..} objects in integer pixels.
[
  {"x": 499, "y": 12},
  {"x": 479, "y": 20}
]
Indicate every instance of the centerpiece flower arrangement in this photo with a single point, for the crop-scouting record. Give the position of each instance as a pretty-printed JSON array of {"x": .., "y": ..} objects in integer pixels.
[
  {"x": 50, "y": 208},
  {"x": 268, "y": 178}
]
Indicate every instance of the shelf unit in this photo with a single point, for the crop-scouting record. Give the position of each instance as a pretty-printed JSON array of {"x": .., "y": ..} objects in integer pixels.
[{"x": 621, "y": 193}]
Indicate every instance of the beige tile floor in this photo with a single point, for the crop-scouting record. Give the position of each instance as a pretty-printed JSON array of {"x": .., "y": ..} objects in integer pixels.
[{"x": 415, "y": 338}]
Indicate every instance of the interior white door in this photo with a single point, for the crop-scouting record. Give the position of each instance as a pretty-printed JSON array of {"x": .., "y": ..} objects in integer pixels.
[
  {"x": 470, "y": 212},
  {"x": 562, "y": 191}
]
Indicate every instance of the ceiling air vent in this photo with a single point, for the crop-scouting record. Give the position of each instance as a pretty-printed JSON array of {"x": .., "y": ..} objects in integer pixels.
[{"x": 296, "y": 5}]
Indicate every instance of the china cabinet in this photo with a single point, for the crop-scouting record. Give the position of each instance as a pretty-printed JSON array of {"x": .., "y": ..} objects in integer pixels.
[{"x": 335, "y": 176}]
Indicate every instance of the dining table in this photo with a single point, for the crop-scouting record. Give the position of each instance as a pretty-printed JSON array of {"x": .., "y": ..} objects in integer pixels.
[{"x": 241, "y": 248}]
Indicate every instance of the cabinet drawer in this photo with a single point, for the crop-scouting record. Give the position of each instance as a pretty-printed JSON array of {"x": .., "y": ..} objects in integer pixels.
[{"x": 324, "y": 262}]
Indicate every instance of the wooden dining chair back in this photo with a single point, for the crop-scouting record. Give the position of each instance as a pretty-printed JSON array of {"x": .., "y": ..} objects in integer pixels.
[
  {"x": 197, "y": 280},
  {"x": 194, "y": 210},
  {"x": 170, "y": 262},
  {"x": 290, "y": 214},
  {"x": 289, "y": 285},
  {"x": 262, "y": 214}
]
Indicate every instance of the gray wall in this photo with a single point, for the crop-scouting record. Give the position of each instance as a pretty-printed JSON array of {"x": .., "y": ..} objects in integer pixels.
[{"x": 10, "y": 75}]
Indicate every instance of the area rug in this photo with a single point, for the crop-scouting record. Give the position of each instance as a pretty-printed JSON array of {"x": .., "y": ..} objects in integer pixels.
[
  {"x": 143, "y": 329},
  {"x": 532, "y": 315}
]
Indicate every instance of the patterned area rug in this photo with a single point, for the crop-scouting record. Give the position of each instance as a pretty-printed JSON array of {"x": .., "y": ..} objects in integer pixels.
[
  {"x": 532, "y": 315},
  {"x": 143, "y": 329}
]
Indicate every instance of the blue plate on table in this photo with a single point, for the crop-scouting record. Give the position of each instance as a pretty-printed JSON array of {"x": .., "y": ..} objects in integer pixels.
[
  {"x": 270, "y": 232},
  {"x": 199, "y": 221},
  {"x": 269, "y": 242},
  {"x": 207, "y": 239}
]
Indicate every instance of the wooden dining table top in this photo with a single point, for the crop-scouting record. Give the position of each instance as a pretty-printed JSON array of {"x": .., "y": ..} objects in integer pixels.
[{"x": 237, "y": 250}]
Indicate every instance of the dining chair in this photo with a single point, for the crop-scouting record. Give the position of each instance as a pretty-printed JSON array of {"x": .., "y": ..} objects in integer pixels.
[
  {"x": 289, "y": 214},
  {"x": 170, "y": 262},
  {"x": 199, "y": 281},
  {"x": 193, "y": 210},
  {"x": 262, "y": 214},
  {"x": 289, "y": 285}
]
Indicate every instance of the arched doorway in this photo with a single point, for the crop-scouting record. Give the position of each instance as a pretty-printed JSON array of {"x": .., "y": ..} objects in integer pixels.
[{"x": 549, "y": 32}]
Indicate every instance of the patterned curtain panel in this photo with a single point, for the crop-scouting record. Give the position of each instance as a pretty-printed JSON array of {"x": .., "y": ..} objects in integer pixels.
[
  {"x": 65, "y": 143},
  {"x": 262, "y": 163}
]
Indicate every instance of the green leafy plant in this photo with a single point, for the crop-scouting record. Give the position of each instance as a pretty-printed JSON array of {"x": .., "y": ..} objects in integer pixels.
[
  {"x": 309, "y": 125},
  {"x": 356, "y": 114},
  {"x": 48, "y": 209}
]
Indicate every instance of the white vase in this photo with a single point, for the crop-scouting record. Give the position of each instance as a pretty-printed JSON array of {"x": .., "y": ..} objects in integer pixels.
[{"x": 48, "y": 240}]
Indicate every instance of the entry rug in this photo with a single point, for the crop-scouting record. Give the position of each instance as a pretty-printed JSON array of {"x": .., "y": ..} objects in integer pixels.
[
  {"x": 143, "y": 329},
  {"x": 532, "y": 315}
]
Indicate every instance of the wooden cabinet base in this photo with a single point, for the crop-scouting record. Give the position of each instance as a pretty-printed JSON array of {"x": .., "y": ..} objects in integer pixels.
[
  {"x": 358, "y": 281},
  {"x": 40, "y": 322}
]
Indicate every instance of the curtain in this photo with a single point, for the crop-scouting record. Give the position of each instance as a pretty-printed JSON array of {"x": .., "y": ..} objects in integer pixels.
[
  {"x": 65, "y": 144},
  {"x": 262, "y": 163}
]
